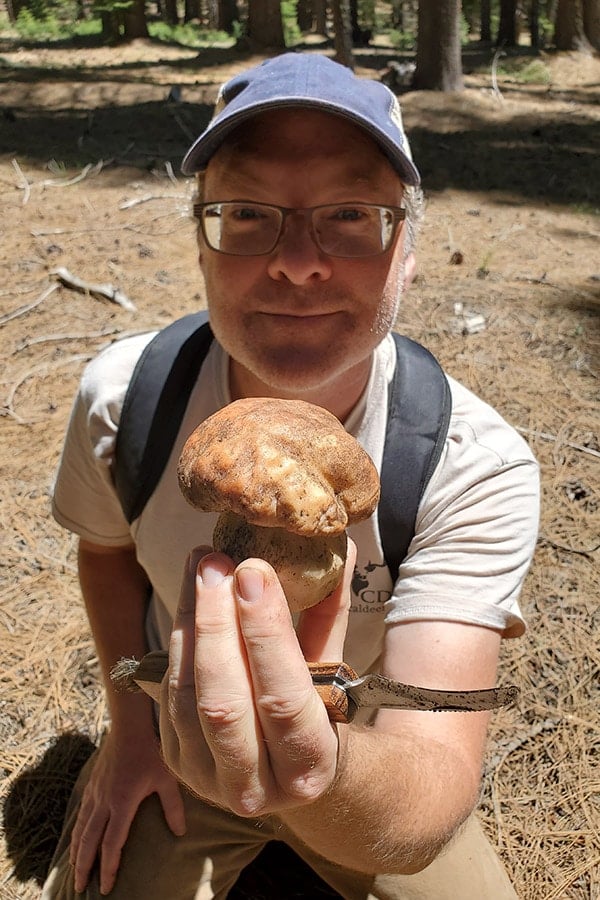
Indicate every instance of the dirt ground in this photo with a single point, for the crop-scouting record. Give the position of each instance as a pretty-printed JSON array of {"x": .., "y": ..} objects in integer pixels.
[{"x": 507, "y": 296}]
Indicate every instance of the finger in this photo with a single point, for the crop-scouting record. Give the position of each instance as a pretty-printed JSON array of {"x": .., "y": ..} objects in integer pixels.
[
  {"x": 115, "y": 835},
  {"x": 173, "y": 807},
  {"x": 178, "y": 692},
  {"x": 90, "y": 839},
  {"x": 224, "y": 696},
  {"x": 302, "y": 745},
  {"x": 322, "y": 628}
]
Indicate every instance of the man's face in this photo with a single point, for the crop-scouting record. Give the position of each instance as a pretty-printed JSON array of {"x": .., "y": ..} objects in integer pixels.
[{"x": 297, "y": 322}]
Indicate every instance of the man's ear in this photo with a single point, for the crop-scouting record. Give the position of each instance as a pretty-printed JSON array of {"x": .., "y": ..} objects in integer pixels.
[{"x": 410, "y": 270}]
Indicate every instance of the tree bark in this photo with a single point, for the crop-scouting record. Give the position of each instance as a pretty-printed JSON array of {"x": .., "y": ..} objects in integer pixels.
[
  {"x": 265, "y": 27},
  {"x": 507, "y": 28},
  {"x": 438, "y": 62},
  {"x": 304, "y": 14},
  {"x": 485, "y": 30},
  {"x": 135, "y": 21},
  {"x": 169, "y": 11},
  {"x": 191, "y": 10},
  {"x": 342, "y": 25},
  {"x": 534, "y": 24},
  {"x": 591, "y": 22},
  {"x": 320, "y": 11},
  {"x": 568, "y": 29}
]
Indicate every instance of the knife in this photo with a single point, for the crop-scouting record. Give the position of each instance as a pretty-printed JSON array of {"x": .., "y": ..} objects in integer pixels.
[{"x": 342, "y": 691}]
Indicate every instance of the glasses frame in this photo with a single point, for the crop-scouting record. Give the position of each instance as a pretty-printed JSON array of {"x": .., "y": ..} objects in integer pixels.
[{"x": 398, "y": 212}]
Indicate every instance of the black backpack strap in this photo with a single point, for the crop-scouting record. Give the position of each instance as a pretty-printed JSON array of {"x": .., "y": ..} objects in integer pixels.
[
  {"x": 154, "y": 407},
  {"x": 419, "y": 410},
  {"x": 156, "y": 399}
]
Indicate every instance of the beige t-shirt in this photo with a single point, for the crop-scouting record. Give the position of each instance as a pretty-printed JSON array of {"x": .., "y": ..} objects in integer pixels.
[{"x": 476, "y": 526}]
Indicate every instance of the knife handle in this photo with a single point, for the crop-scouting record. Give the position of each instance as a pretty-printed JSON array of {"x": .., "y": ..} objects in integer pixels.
[{"x": 329, "y": 680}]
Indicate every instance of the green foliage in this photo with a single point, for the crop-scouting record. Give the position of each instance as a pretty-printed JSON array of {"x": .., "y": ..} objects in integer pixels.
[
  {"x": 291, "y": 33},
  {"x": 188, "y": 35},
  {"x": 525, "y": 70},
  {"x": 38, "y": 27},
  {"x": 402, "y": 40}
]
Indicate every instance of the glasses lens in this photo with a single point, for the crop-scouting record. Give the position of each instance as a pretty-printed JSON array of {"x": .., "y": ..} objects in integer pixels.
[
  {"x": 243, "y": 229},
  {"x": 352, "y": 230}
]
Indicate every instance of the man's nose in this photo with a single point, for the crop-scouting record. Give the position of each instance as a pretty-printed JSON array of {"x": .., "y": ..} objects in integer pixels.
[{"x": 297, "y": 258}]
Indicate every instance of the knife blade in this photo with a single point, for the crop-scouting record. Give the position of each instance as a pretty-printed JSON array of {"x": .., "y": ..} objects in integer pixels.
[{"x": 342, "y": 691}]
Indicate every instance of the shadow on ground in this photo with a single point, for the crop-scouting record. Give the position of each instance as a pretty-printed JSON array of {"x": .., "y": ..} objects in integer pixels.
[
  {"x": 546, "y": 158},
  {"x": 35, "y": 807}
]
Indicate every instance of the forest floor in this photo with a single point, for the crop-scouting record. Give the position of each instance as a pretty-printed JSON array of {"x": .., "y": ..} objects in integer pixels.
[{"x": 507, "y": 296}]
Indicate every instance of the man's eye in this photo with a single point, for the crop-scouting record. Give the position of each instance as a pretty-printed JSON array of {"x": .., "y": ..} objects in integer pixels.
[
  {"x": 349, "y": 214},
  {"x": 247, "y": 213}
]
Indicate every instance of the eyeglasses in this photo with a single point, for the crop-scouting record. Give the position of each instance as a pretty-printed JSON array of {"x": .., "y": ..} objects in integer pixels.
[{"x": 349, "y": 230}]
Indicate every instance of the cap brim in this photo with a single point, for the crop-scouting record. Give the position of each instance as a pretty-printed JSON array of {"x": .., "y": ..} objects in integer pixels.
[{"x": 201, "y": 151}]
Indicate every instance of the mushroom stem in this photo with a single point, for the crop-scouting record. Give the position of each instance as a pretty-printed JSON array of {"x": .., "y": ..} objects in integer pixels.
[{"x": 309, "y": 568}]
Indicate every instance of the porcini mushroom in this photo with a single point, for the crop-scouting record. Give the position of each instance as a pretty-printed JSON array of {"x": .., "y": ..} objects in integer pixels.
[{"x": 287, "y": 479}]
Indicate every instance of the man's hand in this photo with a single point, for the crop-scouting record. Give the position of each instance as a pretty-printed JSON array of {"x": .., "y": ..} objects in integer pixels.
[
  {"x": 241, "y": 723},
  {"x": 125, "y": 773}
]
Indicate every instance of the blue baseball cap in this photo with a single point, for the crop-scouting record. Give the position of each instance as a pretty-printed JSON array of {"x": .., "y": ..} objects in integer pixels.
[{"x": 307, "y": 81}]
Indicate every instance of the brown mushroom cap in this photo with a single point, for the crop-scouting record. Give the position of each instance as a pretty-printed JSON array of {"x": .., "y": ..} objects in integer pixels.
[{"x": 279, "y": 463}]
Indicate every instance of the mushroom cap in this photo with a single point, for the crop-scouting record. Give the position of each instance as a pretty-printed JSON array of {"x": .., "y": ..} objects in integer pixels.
[{"x": 279, "y": 463}]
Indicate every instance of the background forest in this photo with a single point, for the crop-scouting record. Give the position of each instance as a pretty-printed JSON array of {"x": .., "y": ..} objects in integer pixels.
[{"x": 436, "y": 29}]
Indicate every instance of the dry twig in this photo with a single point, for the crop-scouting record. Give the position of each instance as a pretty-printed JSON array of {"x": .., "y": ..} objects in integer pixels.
[
  {"x": 29, "y": 306},
  {"x": 106, "y": 291}
]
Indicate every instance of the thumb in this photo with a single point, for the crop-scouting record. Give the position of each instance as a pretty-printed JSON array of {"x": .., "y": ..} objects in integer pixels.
[{"x": 322, "y": 628}]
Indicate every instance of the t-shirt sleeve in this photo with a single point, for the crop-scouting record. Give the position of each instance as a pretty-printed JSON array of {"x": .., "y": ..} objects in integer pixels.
[
  {"x": 84, "y": 499},
  {"x": 476, "y": 529}
]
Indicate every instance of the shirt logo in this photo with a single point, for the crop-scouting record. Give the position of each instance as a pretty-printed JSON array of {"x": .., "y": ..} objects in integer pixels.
[{"x": 369, "y": 588}]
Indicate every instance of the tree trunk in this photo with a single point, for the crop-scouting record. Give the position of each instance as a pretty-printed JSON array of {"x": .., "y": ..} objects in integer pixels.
[
  {"x": 591, "y": 22},
  {"x": 169, "y": 12},
  {"x": 485, "y": 31},
  {"x": 568, "y": 29},
  {"x": 212, "y": 9},
  {"x": 534, "y": 24},
  {"x": 320, "y": 11},
  {"x": 191, "y": 11},
  {"x": 438, "y": 46},
  {"x": 111, "y": 26},
  {"x": 342, "y": 26},
  {"x": 135, "y": 21},
  {"x": 265, "y": 27},
  {"x": 13, "y": 8},
  {"x": 304, "y": 15},
  {"x": 507, "y": 28},
  {"x": 398, "y": 15}
]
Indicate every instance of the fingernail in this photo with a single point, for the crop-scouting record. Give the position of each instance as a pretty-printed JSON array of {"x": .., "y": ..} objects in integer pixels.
[
  {"x": 249, "y": 583},
  {"x": 212, "y": 571}
]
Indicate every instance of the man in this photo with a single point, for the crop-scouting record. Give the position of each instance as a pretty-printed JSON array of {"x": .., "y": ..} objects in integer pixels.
[{"x": 304, "y": 177}]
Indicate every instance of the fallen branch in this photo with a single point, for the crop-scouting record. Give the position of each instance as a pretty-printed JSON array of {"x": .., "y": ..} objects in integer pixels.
[
  {"x": 43, "y": 370},
  {"x": 552, "y": 437},
  {"x": 26, "y": 343},
  {"x": 496, "y": 761},
  {"x": 495, "y": 89},
  {"x": 25, "y": 184},
  {"x": 127, "y": 204},
  {"x": 105, "y": 291},
  {"x": 89, "y": 169},
  {"x": 28, "y": 307},
  {"x": 557, "y": 546}
]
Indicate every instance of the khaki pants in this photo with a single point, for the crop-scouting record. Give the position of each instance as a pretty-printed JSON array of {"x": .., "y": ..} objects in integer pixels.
[{"x": 206, "y": 862}]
